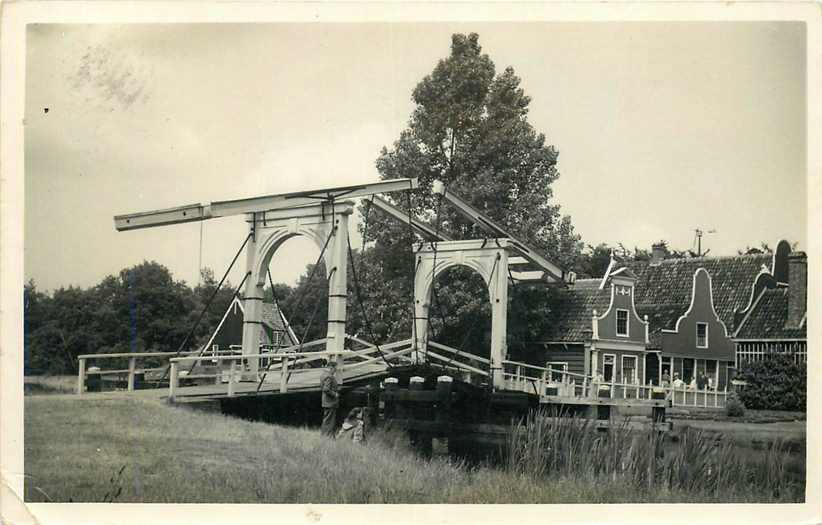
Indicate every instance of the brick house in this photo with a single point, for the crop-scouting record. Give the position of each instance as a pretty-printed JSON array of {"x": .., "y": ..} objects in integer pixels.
[{"x": 682, "y": 316}]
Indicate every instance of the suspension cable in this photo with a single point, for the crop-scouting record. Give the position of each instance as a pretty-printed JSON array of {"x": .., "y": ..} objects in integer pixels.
[
  {"x": 358, "y": 295},
  {"x": 233, "y": 295},
  {"x": 206, "y": 306}
]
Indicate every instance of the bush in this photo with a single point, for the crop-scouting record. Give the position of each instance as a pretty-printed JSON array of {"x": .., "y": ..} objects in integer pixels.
[
  {"x": 734, "y": 407},
  {"x": 777, "y": 383}
]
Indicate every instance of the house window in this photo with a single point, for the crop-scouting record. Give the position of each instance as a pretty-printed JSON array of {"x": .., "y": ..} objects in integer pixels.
[
  {"x": 702, "y": 335},
  {"x": 629, "y": 370},
  {"x": 557, "y": 367},
  {"x": 622, "y": 322},
  {"x": 277, "y": 338},
  {"x": 608, "y": 367}
]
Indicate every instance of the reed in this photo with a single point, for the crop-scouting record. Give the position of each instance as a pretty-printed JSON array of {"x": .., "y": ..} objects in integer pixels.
[{"x": 546, "y": 445}]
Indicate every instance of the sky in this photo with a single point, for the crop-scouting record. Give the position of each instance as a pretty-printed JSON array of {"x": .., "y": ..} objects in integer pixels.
[{"x": 661, "y": 128}]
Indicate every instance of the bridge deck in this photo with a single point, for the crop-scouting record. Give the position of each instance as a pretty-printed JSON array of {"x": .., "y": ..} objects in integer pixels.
[{"x": 306, "y": 380}]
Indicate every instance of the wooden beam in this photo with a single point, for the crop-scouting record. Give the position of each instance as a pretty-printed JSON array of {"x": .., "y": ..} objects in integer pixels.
[
  {"x": 425, "y": 231},
  {"x": 201, "y": 212},
  {"x": 553, "y": 270}
]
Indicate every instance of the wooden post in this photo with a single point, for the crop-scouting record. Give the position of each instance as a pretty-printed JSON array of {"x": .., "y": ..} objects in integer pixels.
[
  {"x": 81, "y": 377},
  {"x": 443, "y": 414},
  {"x": 172, "y": 381},
  {"x": 542, "y": 383},
  {"x": 132, "y": 365},
  {"x": 391, "y": 384},
  {"x": 231, "y": 371},
  {"x": 284, "y": 375}
]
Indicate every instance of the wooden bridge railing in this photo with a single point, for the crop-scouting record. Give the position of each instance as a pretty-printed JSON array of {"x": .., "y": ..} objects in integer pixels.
[
  {"x": 132, "y": 369},
  {"x": 538, "y": 380}
]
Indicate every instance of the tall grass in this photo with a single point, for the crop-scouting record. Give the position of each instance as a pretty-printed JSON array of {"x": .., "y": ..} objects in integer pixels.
[
  {"x": 49, "y": 384},
  {"x": 137, "y": 449},
  {"x": 548, "y": 446}
]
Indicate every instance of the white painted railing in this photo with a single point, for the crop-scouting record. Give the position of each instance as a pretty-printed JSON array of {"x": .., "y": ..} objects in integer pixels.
[
  {"x": 541, "y": 381},
  {"x": 83, "y": 371}
]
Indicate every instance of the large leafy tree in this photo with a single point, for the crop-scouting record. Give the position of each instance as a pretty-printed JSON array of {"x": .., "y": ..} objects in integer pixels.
[{"x": 469, "y": 129}]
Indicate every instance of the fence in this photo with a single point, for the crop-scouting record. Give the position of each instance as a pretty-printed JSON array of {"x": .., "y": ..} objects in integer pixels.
[
  {"x": 755, "y": 351},
  {"x": 286, "y": 364},
  {"x": 130, "y": 373},
  {"x": 224, "y": 364},
  {"x": 540, "y": 381}
]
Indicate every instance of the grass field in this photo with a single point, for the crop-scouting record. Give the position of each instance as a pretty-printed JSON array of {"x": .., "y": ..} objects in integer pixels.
[{"x": 114, "y": 448}]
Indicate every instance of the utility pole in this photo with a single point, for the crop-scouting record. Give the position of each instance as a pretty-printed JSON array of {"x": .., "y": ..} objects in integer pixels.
[{"x": 699, "y": 234}]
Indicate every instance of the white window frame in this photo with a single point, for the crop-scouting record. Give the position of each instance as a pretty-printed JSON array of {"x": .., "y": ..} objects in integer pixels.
[
  {"x": 627, "y": 322},
  {"x": 556, "y": 366},
  {"x": 706, "y": 335},
  {"x": 622, "y": 369},
  {"x": 276, "y": 338}
]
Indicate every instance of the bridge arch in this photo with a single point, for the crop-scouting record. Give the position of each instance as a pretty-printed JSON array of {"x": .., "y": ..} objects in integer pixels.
[
  {"x": 489, "y": 258},
  {"x": 327, "y": 227}
]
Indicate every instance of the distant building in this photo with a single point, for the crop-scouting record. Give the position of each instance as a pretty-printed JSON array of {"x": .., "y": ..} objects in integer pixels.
[
  {"x": 678, "y": 316},
  {"x": 274, "y": 331}
]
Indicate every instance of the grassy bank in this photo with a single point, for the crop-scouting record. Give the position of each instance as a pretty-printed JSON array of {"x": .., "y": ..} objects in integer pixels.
[
  {"x": 140, "y": 450},
  {"x": 49, "y": 384}
]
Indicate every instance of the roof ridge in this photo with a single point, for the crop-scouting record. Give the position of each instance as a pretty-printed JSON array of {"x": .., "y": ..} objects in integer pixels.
[{"x": 674, "y": 260}]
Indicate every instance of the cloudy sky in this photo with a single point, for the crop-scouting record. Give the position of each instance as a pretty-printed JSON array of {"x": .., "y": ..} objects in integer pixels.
[{"x": 661, "y": 128}]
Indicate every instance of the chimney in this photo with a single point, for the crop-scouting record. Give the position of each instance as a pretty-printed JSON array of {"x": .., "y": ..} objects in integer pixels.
[
  {"x": 797, "y": 288},
  {"x": 658, "y": 252}
]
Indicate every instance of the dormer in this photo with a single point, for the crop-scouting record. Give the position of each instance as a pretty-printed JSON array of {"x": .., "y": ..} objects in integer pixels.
[{"x": 621, "y": 322}]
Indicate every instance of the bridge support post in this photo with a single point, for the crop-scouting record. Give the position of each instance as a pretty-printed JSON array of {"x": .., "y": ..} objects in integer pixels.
[
  {"x": 253, "y": 299},
  {"x": 498, "y": 292},
  {"x": 336, "y": 264}
]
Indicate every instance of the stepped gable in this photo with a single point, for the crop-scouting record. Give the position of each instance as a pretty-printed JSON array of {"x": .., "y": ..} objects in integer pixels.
[
  {"x": 663, "y": 289},
  {"x": 768, "y": 318},
  {"x": 572, "y": 309}
]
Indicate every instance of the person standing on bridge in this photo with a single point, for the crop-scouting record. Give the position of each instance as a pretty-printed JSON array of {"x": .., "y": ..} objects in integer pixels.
[{"x": 330, "y": 399}]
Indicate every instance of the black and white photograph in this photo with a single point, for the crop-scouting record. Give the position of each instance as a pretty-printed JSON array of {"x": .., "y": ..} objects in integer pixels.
[{"x": 324, "y": 262}]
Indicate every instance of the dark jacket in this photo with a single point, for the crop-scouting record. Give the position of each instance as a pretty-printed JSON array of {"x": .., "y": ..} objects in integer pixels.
[{"x": 330, "y": 389}]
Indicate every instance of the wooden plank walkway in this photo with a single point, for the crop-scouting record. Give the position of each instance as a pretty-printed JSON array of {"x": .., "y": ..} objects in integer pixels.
[{"x": 306, "y": 380}]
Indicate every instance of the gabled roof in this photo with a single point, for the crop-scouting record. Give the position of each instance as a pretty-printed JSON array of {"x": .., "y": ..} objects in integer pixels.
[
  {"x": 768, "y": 316},
  {"x": 572, "y": 309},
  {"x": 272, "y": 317},
  {"x": 663, "y": 290}
]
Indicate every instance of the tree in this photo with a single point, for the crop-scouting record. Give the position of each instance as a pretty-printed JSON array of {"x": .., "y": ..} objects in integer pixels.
[{"x": 469, "y": 129}]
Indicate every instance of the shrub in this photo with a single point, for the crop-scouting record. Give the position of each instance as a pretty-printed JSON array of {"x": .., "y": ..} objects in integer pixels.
[
  {"x": 776, "y": 383},
  {"x": 734, "y": 407}
]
